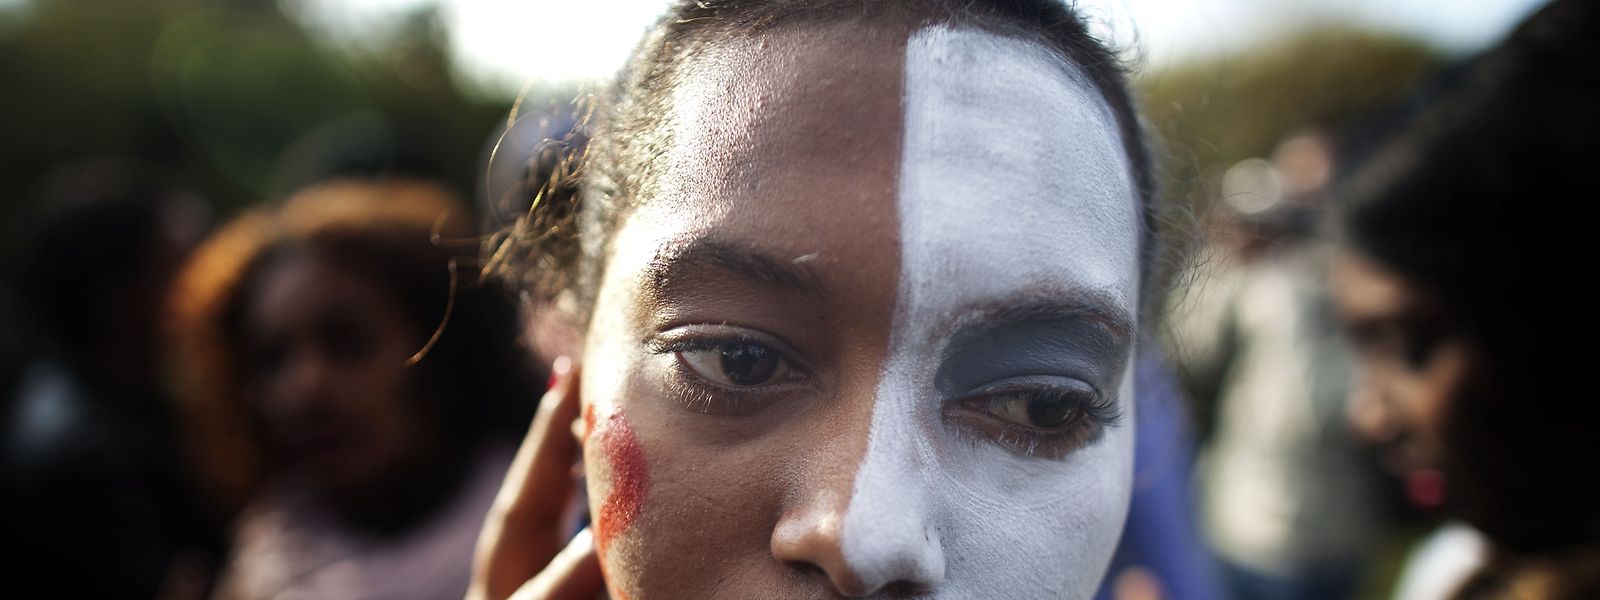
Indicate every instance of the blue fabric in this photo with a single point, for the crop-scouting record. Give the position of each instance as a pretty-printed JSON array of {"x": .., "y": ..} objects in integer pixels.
[
  {"x": 1160, "y": 535},
  {"x": 1332, "y": 584}
]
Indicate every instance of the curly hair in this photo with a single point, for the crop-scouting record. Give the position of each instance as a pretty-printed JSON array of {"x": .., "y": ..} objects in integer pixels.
[{"x": 409, "y": 237}]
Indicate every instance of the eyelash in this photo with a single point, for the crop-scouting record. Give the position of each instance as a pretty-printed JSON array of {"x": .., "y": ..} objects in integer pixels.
[
  {"x": 1094, "y": 413},
  {"x": 707, "y": 397}
]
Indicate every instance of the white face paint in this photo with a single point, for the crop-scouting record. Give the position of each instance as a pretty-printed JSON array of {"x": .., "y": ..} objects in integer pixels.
[{"x": 1014, "y": 186}]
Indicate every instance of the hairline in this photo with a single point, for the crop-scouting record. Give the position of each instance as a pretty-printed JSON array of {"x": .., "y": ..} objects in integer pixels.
[{"x": 905, "y": 20}]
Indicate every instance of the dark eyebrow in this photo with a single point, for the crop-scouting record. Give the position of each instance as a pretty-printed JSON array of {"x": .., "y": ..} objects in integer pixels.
[
  {"x": 675, "y": 263},
  {"x": 1036, "y": 306}
]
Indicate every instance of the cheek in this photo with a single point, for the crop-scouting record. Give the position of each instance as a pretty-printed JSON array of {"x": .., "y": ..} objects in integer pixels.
[
  {"x": 675, "y": 514},
  {"x": 1418, "y": 401},
  {"x": 379, "y": 395},
  {"x": 1444, "y": 389},
  {"x": 1046, "y": 523},
  {"x": 616, "y": 464},
  {"x": 612, "y": 440}
]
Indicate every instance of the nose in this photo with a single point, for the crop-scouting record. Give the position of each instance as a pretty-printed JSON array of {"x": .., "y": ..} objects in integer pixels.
[
  {"x": 890, "y": 539},
  {"x": 812, "y": 536},
  {"x": 301, "y": 384},
  {"x": 868, "y": 536}
]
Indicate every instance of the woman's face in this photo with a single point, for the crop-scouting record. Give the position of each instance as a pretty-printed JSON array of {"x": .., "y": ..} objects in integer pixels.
[
  {"x": 1414, "y": 370},
  {"x": 871, "y": 332},
  {"x": 327, "y": 380}
]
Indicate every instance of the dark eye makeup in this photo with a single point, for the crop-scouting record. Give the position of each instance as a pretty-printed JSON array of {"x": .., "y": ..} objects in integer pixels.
[
  {"x": 1039, "y": 416},
  {"x": 1036, "y": 390},
  {"x": 1040, "y": 385}
]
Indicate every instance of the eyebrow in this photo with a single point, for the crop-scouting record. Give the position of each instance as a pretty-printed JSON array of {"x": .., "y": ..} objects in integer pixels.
[
  {"x": 1039, "y": 306},
  {"x": 677, "y": 263}
]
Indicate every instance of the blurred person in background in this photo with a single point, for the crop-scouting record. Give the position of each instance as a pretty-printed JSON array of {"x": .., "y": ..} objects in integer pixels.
[
  {"x": 95, "y": 501},
  {"x": 1287, "y": 499},
  {"x": 352, "y": 389},
  {"x": 1463, "y": 239}
]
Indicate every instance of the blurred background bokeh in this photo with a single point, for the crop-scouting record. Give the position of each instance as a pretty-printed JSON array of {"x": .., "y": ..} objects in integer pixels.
[
  {"x": 245, "y": 99},
  {"x": 194, "y": 112}
]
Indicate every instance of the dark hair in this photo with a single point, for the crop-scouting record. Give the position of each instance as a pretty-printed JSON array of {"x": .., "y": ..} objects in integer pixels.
[
  {"x": 555, "y": 250},
  {"x": 476, "y": 371},
  {"x": 1478, "y": 201}
]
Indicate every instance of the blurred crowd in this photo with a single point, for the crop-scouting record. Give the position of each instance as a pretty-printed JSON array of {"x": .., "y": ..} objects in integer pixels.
[{"x": 1368, "y": 385}]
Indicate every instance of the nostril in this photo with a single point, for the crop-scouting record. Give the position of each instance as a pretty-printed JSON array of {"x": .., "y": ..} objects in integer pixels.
[
  {"x": 810, "y": 540},
  {"x": 896, "y": 553},
  {"x": 842, "y": 582},
  {"x": 825, "y": 564},
  {"x": 853, "y": 587},
  {"x": 904, "y": 589},
  {"x": 903, "y": 554}
]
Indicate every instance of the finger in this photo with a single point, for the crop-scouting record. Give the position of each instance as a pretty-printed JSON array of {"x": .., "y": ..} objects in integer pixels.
[
  {"x": 545, "y": 460},
  {"x": 523, "y": 529},
  {"x": 574, "y": 574}
]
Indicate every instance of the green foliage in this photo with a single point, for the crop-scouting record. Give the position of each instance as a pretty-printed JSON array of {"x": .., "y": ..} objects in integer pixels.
[
  {"x": 1216, "y": 111},
  {"x": 244, "y": 104},
  {"x": 234, "y": 98}
]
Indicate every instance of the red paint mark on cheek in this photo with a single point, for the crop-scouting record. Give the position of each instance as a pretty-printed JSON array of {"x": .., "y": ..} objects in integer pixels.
[{"x": 629, "y": 479}]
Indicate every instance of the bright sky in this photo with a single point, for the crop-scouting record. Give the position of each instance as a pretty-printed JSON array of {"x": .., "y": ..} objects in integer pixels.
[{"x": 508, "y": 43}]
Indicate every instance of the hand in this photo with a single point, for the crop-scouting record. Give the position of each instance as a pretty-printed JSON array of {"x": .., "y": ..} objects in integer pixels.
[{"x": 520, "y": 552}]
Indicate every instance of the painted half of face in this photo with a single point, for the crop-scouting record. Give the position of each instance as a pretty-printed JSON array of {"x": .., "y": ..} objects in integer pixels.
[{"x": 871, "y": 332}]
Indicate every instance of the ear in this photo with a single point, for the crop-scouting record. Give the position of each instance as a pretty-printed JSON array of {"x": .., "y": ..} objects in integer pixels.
[{"x": 551, "y": 331}]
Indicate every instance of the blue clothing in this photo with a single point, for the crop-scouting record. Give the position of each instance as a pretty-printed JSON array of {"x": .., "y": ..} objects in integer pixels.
[{"x": 1160, "y": 534}]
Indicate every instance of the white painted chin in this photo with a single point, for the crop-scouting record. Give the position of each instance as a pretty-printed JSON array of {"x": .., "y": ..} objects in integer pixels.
[{"x": 1013, "y": 178}]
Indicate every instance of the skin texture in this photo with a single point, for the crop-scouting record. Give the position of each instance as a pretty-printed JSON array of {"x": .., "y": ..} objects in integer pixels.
[
  {"x": 1035, "y": 249},
  {"x": 330, "y": 388},
  {"x": 802, "y": 208},
  {"x": 771, "y": 478},
  {"x": 525, "y": 549}
]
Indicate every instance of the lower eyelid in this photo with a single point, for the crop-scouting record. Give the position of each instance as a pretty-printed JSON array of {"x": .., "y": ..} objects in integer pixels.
[
  {"x": 1025, "y": 441},
  {"x": 706, "y": 397}
]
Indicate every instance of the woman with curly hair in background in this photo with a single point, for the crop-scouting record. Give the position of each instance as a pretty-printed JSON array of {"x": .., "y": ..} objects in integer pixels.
[{"x": 350, "y": 390}]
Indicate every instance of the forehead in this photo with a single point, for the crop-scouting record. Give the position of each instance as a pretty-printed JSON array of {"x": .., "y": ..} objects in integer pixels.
[
  {"x": 1012, "y": 161},
  {"x": 788, "y": 143},
  {"x": 811, "y": 141},
  {"x": 299, "y": 281},
  {"x": 1365, "y": 289}
]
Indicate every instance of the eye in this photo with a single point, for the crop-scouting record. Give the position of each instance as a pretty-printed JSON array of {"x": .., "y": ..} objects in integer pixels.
[
  {"x": 736, "y": 364},
  {"x": 728, "y": 370},
  {"x": 1038, "y": 409},
  {"x": 1045, "y": 417}
]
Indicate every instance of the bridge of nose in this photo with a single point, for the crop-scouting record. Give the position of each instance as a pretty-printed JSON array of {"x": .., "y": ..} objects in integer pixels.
[{"x": 866, "y": 530}]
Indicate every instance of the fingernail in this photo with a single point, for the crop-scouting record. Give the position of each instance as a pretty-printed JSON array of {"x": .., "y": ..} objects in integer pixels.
[
  {"x": 583, "y": 538},
  {"x": 558, "y": 370}
]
